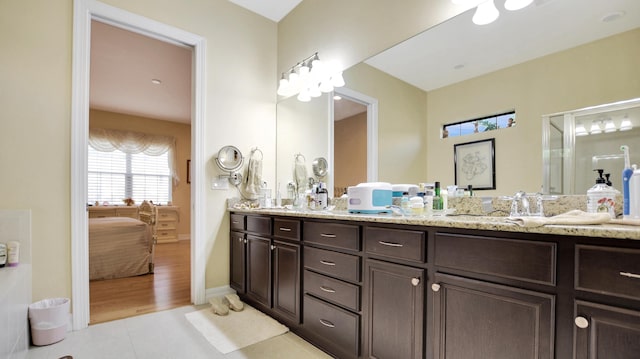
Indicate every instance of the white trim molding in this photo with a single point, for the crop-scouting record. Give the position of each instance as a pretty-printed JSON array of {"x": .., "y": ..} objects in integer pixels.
[{"x": 84, "y": 12}]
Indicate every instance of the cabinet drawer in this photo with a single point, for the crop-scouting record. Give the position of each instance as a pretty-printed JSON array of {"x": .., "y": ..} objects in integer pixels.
[
  {"x": 286, "y": 228},
  {"x": 259, "y": 225},
  {"x": 237, "y": 222},
  {"x": 167, "y": 234},
  {"x": 333, "y": 290},
  {"x": 395, "y": 243},
  {"x": 337, "y": 326},
  {"x": 529, "y": 261},
  {"x": 166, "y": 215},
  {"x": 333, "y": 235},
  {"x": 339, "y": 265},
  {"x": 608, "y": 270},
  {"x": 161, "y": 226}
]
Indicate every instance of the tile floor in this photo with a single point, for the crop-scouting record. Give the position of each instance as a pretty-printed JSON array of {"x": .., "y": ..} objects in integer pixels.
[{"x": 164, "y": 335}]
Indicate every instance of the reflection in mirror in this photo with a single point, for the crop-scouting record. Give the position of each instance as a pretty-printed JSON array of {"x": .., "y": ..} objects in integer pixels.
[
  {"x": 320, "y": 169},
  {"x": 229, "y": 158},
  {"x": 578, "y": 142}
]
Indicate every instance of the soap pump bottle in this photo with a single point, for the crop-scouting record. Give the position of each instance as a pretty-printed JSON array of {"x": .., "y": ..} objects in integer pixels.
[{"x": 601, "y": 197}]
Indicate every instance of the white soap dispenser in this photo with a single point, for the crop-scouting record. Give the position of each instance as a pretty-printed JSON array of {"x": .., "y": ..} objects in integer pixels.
[{"x": 601, "y": 197}]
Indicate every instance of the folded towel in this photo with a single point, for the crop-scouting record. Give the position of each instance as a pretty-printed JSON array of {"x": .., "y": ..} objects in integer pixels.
[
  {"x": 629, "y": 222},
  {"x": 250, "y": 187},
  {"x": 575, "y": 217}
]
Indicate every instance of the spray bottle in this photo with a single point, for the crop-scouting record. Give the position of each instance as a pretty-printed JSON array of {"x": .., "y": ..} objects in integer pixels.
[{"x": 627, "y": 172}]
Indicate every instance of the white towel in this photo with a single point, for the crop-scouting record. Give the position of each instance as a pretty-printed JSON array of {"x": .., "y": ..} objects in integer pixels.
[
  {"x": 575, "y": 217},
  {"x": 253, "y": 179},
  {"x": 300, "y": 173}
]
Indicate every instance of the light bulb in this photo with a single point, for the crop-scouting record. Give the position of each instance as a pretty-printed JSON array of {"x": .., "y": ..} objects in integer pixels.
[
  {"x": 314, "y": 91},
  {"x": 337, "y": 80},
  {"x": 580, "y": 130},
  {"x": 609, "y": 127},
  {"x": 283, "y": 88},
  {"x": 513, "y": 5},
  {"x": 486, "y": 13},
  {"x": 326, "y": 86},
  {"x": 303, "y": 96},
  {"x": 626, "y": 124},
  {"x": 595, "y": 128}
]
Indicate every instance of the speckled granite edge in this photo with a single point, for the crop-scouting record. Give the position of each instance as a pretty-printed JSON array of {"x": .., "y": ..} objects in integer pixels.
[{"x": 469, "y": 214}]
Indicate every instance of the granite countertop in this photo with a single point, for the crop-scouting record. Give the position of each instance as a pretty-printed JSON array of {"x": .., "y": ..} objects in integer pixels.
[{"x": 463, "y": 221}]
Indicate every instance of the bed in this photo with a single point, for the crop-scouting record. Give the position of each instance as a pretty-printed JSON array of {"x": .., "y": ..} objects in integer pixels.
[{"x": 119, "y": 247}]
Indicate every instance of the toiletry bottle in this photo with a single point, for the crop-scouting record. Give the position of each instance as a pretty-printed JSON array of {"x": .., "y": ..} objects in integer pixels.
[
  {"x": 470, "y": 189},
  {"x": 437, "y": 200},
  {"x": 634, "y": 194},
  {"x": 3, "y": 255},
  {"x": 13, "y": 253},
  {"x": 278, "y": 197},
  {"x": 417, "y": 206},
  {"x": 627, "y": 172},
  {"x": 444, "y": 195},
  {"x": 404, "y": 203},
  {"x": 322, "y": 197},
  {"x": 600, "y": 197}
]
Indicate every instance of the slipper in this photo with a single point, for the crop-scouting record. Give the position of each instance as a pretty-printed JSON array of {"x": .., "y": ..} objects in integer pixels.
[
  {"x": 234, "y": 302},
  {"x": 218, "y": 306}
]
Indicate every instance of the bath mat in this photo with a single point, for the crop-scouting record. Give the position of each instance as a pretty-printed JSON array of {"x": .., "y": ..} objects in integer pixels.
[{"x": 235, "y": 330}]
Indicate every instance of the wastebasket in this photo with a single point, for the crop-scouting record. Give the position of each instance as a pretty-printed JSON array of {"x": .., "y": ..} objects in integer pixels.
[{"x": 48, "y": 320}]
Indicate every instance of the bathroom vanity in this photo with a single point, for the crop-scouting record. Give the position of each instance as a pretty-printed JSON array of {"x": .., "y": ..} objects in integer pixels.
[{"x": 382, "y": 286}]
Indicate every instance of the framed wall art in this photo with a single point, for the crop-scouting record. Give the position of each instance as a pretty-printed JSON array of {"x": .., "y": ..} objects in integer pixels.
[{"x": 475, "y": 164}]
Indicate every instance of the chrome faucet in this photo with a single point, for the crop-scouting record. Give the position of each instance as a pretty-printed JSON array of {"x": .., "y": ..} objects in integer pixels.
[{"x": 520, "y": 205}]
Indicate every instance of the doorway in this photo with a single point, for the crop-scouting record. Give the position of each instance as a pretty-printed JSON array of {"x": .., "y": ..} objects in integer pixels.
[{"x": 84, "y": 12}]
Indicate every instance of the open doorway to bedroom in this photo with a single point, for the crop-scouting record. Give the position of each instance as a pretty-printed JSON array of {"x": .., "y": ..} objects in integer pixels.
[{"x": 139, "y": 152}]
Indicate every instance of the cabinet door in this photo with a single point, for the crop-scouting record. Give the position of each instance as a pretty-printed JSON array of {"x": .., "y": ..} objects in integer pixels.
[
  {"x": 238, "y": 262},
  {"x": 479, "y": 320},
  {"x": 286, "y": 280},
  {"x": 606, "y": 332},
  {"x": 395, "y": 310},
  {"x": 259, "y": 269}
]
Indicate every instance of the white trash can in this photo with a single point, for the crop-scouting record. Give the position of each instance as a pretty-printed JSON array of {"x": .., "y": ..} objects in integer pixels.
[{"x": 48, "y": 320}]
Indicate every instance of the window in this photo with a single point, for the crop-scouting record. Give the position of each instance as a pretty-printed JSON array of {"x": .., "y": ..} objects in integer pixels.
[
  {"x": 483, "y": 124},
  {"x": 114, "y": 176}
]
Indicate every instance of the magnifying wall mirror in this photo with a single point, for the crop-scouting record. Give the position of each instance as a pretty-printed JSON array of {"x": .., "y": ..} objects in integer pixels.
[
  {"x": 230, "y": 159},
  {"x": 320, "y": 167}
]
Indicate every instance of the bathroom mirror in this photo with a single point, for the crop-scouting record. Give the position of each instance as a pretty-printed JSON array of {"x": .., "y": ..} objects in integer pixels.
[
  {"x": 481, "y": 74},
  {"x": 320, "y": 167},
  {"x": 229, "y": 158}
]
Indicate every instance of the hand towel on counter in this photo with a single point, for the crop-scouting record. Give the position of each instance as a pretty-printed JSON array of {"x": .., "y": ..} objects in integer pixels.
[{"x": 574, "y": 217}]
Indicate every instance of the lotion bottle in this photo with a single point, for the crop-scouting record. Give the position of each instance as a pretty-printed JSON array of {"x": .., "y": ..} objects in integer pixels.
[{"x": 600, "y": 197}]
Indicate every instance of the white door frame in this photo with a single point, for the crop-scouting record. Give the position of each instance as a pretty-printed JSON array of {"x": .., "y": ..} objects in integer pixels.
[
  {"x": 372, "y": 130},
  {"x": 84, "y": 12}
]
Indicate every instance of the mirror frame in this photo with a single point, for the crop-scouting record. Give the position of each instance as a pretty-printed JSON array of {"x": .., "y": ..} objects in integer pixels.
[{"x": 226, "y": 165}]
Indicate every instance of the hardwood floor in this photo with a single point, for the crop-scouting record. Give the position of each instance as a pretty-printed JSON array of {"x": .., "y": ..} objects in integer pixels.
[{"x": 168, "y": 287}]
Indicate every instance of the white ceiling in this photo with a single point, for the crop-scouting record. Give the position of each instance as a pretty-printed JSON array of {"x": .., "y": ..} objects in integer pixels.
[{"x": 124, "y": 63}]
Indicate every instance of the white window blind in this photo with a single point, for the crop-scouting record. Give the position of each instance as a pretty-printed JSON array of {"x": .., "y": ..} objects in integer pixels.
[{"x": 114, "y": 176}]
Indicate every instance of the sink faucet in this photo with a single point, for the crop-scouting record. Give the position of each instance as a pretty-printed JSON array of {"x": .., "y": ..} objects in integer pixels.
[{"x": 520, "y": 205}]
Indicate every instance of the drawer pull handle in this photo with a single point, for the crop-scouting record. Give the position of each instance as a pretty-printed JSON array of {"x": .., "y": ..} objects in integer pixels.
[
  {"x": 415, "y": 281},
  {"x": 327, "y": 235},
  {"x": 283, "y": 229},
  {"x": 327, "y": 263},
  {"x": 327, "y": 289},
  {"x": 581, "y": 322},
  {"x": 630, "y": 275},
  {"x": 390, "y": 244},
  {"x": 327, "y": 323},
  {"x": 235, "y": 222},
  {"x": 435, "y": 287}
]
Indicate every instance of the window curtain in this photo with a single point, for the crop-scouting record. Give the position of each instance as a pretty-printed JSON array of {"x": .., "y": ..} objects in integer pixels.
[{"x": 135, "y": 142}]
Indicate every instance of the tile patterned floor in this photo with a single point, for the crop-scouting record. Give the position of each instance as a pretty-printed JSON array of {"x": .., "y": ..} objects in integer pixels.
[{"x": 164, "y": 335}]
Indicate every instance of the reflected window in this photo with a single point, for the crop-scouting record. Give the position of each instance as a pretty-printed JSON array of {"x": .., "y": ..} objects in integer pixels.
[{"x": 482, "y": 124}]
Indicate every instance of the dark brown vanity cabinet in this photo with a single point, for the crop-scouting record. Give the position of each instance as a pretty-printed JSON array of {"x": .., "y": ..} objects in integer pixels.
[
  {"x": 606, "y": 329},
  {"x": 267, "y": 256},
  {"x": 482, "y": 319}
]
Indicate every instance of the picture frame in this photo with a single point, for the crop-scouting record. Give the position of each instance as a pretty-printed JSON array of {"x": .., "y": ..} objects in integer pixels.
[
  {"x": 475, "y": 164},
  {"x": 188, "y": 171}
]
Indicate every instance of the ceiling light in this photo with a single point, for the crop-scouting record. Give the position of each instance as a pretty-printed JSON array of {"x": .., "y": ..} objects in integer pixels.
[
  {"x": 337, "y": 97},
  {"x": 580, "y": 130},
  {"x": 595, "y": 128},
  {"x": 513, "y": 5},
  {"x": 486, "y": 13},
  {"x": 626, "y": 124},
  {"x": 156, "y": 81}
]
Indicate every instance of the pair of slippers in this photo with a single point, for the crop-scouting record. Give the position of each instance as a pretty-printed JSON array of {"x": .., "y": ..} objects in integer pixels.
[{"x": 221, "y": 306}]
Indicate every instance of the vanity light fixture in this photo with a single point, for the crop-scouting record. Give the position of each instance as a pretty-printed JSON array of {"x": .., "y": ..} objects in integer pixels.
[
  {"x": 486, "y": 11},
  {"x": 581, "y": 130},
  {"x": 310, "y": 78},
  {"x": 609, "y": 126},
  {"x": 626, "y": 124},
  {"x": 595, "y": 128}
]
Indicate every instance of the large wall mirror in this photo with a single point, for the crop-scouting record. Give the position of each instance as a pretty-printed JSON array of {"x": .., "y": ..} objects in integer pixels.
[{"x": 551, "y": 57}]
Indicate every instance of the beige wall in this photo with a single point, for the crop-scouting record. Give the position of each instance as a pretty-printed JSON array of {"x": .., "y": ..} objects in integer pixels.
[
  {"x": 596, "y": 73},
  {"x": 350, "y": 156},
  {"x": 402, "y": 110},
  {"x": 35, "y": 103},
  {"x": 182, "y": 132}
]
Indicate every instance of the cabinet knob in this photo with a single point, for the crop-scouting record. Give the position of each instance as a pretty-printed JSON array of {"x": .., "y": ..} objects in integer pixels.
[
  {"x": 273, "y": 247},
  {"x": 581, "y": 322},
  {"x": 415, "y": 281},
  {"x": 435, "y": 287},
  {"x": 245, "y": 241}
]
